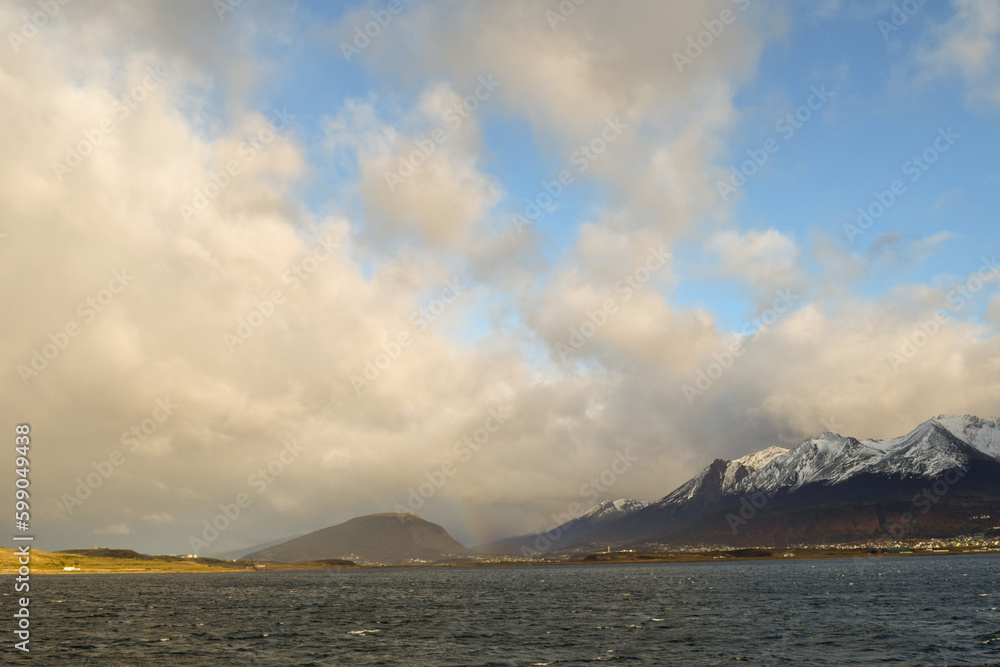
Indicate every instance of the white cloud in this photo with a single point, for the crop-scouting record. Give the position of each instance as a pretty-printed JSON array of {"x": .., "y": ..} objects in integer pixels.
[
  {"x": 993, "y": 310},
  {"x": 945, "y": 199},
  {"x": 424, "y": 183},
  {"x": 928, "y": 245},
  {"x": 968, "y": 42},
  {"x": 766, "y": 260}
]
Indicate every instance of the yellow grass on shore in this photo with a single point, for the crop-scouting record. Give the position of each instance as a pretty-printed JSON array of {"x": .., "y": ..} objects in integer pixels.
[{"x": 56, "y": 562}]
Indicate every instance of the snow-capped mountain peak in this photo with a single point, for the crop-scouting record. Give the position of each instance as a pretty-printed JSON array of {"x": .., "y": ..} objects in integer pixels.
[
  {"x": 628, "y": 505},
  {"x": 612, "y": 509},
  {"x": 721, "y": 477},
  {"x": 983, "y": 434},
  {"x": 827, "y": 458},
  {"x": 928, "y": 450},
  {"x": 758, "y": 460},
  {"x": 832, "y": 486}
]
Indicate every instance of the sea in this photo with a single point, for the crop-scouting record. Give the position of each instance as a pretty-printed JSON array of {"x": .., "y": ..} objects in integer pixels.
[{"x": 858, "y": 611}]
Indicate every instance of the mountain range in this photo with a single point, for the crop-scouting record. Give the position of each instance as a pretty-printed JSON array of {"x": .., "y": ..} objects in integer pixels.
[
  {"x": 831, "y": 488},
  {"x": 942, "y": 479},
  {"x": 570, "y": 532}
]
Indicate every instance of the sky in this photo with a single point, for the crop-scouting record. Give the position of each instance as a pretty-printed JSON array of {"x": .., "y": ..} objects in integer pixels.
[{"x": 270, "y": 266}]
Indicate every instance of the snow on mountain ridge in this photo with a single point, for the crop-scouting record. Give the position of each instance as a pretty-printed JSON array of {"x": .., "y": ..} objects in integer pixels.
[
  {"x": 928, "y": 450},
  {"x": 612, "y": 508},
  {"x": 628, "y": 505},
  {"x": 758, "y": 460},
  {"x": 721, "y": 476},
  {"x": 829, "y": 457},
  {"x": 983, "y": 434}
]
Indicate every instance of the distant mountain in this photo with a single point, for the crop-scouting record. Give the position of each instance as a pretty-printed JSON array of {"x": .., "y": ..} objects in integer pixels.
[
  {"x": 377, "y": 538},
  {"x": 609, "y": 510},
  {"x": 831, "y": 488},
  {"x": 569, "y": 532}
]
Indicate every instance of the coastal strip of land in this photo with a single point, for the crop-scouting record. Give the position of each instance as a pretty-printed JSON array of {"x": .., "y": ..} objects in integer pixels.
[
  {"x": 116, "y": 561},
  {"x": 107, "y": 561}
]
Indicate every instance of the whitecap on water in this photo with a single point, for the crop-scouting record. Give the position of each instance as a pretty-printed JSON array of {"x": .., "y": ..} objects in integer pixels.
[{"x": 363, "y": 632}]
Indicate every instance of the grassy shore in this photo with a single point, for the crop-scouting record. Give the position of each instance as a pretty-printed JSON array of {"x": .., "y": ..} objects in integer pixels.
[{"x": 120, "y": 560}]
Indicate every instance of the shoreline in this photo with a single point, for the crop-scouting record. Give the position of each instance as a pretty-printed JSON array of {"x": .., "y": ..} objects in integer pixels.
[{"x": 176, "y": 565}]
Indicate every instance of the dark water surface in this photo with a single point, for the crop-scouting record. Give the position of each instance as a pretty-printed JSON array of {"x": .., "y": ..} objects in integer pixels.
[{"x": 901, "y": 611}]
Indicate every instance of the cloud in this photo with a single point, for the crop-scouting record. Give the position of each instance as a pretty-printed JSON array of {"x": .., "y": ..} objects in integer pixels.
[
  {"x": 969, "y": 43},
  {"x": 892, "y": 249},
  {"x": 423, "y": 183},
  {"x": 946, "y": 198},
  {"x": 114, "y": 529},
  {"x": 884, "y": 243},
  {"x": 993, "y": 310},
  {"x": 601, "y": 64},
  {"x": 765, "y": 261},
  {"x": 929, "y": 244}
]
